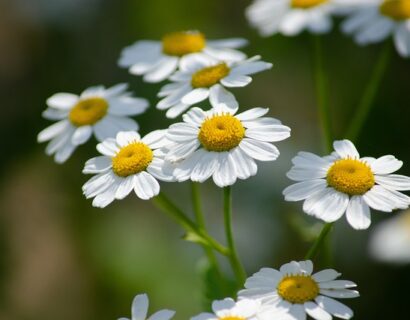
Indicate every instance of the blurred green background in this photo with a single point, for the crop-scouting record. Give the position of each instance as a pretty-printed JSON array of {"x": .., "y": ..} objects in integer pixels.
[{"x": 62, "y": 259}]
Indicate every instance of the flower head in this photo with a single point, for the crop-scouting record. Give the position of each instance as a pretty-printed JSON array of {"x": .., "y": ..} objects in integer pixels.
[
  {"x": 228, "y": 309},
  {"x": 344, "y": 182},
  {"x": 97, "y": 110},
  {"x": 139, "y": 310},
  {"x": 293, "y": 291}
]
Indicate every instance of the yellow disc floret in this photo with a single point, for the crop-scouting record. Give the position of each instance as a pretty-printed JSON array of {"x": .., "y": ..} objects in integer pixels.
[
  {"x": 132, "y": 159},
  {"x": 306, "y": 4},
  {"x": 182, "y": 43},
  {"x": 396, "y": 9},
  {"x": 88, "y": 111},
  {"x": 232, "y": 318},
  {"x": 209, "y": 76},
  {"x": 350, "y": 176},
  {"x": 221, "y": 133},
  {"x": 298, "y": 288}
]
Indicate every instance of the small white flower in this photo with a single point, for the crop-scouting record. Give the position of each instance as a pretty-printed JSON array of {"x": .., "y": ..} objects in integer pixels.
[
  {"x": 157, "y": 60},
  {"x": 375, "y": 20},
  {"x": 223, "y": 145},
  {"x": 97, "y": 110},
  {"x": 228, "y": 309},
  {"x": 291, "y": 17},
  {"x": 390, "y": 240},
  {"x": 344, "y": 182},
  {"x": 292, "y": 292},
  {"x": 202, "y": 76},
  {"x": 128, "y": 163},
  {"x": 139, "y": 310}
]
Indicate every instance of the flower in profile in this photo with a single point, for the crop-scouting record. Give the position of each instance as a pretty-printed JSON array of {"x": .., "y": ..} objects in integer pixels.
[
  {"x": 127, "y": 163},
  {"x": 291, "y": 17},
  {"x": 202, "y": 76},
  {"x": 223, "y": 144},
  {"x": 344, "y": 182},
  {"x": 293, "y": 291},
  {"x": 228, "y": 309},
  {"x": 157, "y": 60},
  {"x": 139, "y": 310},
  {"x": 97, "y": 110}
]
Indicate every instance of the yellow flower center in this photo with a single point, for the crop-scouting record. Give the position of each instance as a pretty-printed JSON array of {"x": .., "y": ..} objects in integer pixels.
[
  {"x": 306, "y": 4},
  {"x": 298, "y": 289},
  {"x": 350, "y": 176},
  {"x": 209, "y": 76},
  {"x": 221, "y": 133},
  {"x": 88, "y": 111},
  {"x": 232, "y": 318},
  {"x": 182, "y": 43},
  {"x": 132, "y": 159},
  {"x": 396, "y": 9}
]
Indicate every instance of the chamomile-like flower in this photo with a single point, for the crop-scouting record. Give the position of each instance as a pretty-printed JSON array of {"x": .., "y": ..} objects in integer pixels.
[
  {"x": 222, "y": 144},
  {"x": 139, "y": 310},
  {"x": 344, "y": 182},
  {"x": 202, "y": 76},
  {"x": 375, "y": 20},
  {"x": 228, "y": 309},
  {"x": 127, "y": 163},
  {"x": 293, "y": 291},
  {"x": 157, "y": 60},
  {"x": 97, "y": 110},
  {"x": 290, "y": 17}
]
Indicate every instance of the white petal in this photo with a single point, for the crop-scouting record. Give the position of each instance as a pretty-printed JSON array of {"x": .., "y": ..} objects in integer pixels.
[
  {"x": 269, "y": 132},
  {"x": 54, "y": 114},
  {"x": 334, "y": 307},
  {"x": 98, "y": 184},
  {"x": 182, "y": 132},
  {"x": 225, "y": 175},
  {"x": 302, "y": 190},
  {"x": 63, "y": 101},
  {"x": 182, "y": 151},
  {"x": 259, "y": 150},
  {"x": 219, "y": 95},
  {"x": 228, "y": 43},
  {"x": 358, "y": 213},
  {"x": 306, "y": 267},
  {"x": 340, "y": 293},
  {"x": 176, "y": 110},
  {"x": 245, "y": 165},
  {"x": 246, "y": 308},
  {"x": 140, "y": 307},
  {"x": 59, "y": 141},
  {"x": 205, "y": 167},
  {"x": 394, "y": 181},
  {"x": 174, "y": 98},
  {"x": 64, "y": 152},
  {"x": 125, "y": 187},
  {"x": 124, "y": 138},
  {"x": 293, "y": 22},
  {"x": 289, "y": 268},
  {"x": 337, "y": 284},
  {"x": 225, "y": 54},
  {"x": 97, "y": 165},
  {"x": 155, "y": 139},
  {"x": 194, "y": 116},
  {"x": 386, "y": 165},
  {"x": 95, "y": 91},
  {"x": 161, "y": 170},
  {"x": 162, "y": 71},
  {"x": 81, "y": 135},
  {"x": 138, "y": 51},
  {"x": 111, "y": 125},
  {"x": 127, "y": 106},
  {"x": 402, "y": 39},
  {"x": 52, "y": 131},
  {"x": 375, "y": 31},
  {"x": 326, "y": 275},
  {"x": 205, "y": 316},
  {"x": 222, "y": 305},
  {"x": 146, "y": 186},
  {"x": 116, "y": 90},
  {"x": 345, "y": 149},
  {"x": 108, "y": 147},
  {"x": 297, "y": 312},
  {"x": 105, "y": 198},
  {"x": 162, "y": 315},
  {"x": 195, "y": 96},
  {"x": 385, "y": 200},
  {"x": 298, "y": 173},
  {"x": 252, "y": 114},
  {"x": 313, "y": 310},
  {"x": 183, "y": 171},
  {"x": 249, "y": 68},
  {"x": 233, "y": 81}
]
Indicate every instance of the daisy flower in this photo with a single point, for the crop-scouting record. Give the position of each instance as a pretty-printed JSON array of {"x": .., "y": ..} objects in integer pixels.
[
  {"x": 156, "y": 60},
  {"x": 139, "y": 310},
  {"x": 344, "y": 182},
  {"x": 291, "y": 17},
  {"x": 202, "y": 76},
  {"x": 97, "y": 110},
  {"x": 228, "y": 309},
  {"x": 375, "y": 20},
  {"x": 222, "y": 144},
  {"x": 127, "y": 163},
  {"x": 292, "y": 292}
]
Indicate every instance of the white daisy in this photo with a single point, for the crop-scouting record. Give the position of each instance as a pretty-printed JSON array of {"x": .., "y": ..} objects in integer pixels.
[
  {"x": 374, "y": 20},
  {"x": 97, "y": 110},
  {"x": 128, "y": 163},
  {"x": 344, "y": 182},
  {"x": 291, "y": 17},
  {"x": 292, "y": 292},
  {"x": 228, "y": 309},
  {"x": 202, "y": 76},
  {"x": 156, "y": 60},
  {"x": 223, "y": 145},
  {"x": 139, "y": 310}
]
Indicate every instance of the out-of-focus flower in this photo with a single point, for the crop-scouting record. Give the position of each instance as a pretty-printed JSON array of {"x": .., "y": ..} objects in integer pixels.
[
  {"x": 139, "y": 310},
  {"x": 202, "y": 76},
  {"x": 157, "y": 60},
  {"x": 97, "y": 110},
  {"x": 344, "y": 182},
  {"x": 228, "y": 309},
  {"x": 292, "y": 292}
]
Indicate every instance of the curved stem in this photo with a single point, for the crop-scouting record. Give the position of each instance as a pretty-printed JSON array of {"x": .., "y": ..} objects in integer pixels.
[
  {"x": 314, "y": 249},
  {"x": 237, "y": 267}
]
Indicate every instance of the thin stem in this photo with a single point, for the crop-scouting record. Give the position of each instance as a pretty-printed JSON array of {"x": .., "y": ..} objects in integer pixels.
[
  {"x": 237, "y": 267},
  {"x": 166, "y": 205},
  {"x": 314, "y": 249},
  {"x": 370, "y": 93}
]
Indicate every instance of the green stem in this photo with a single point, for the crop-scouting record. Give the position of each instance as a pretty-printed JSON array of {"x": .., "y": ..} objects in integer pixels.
[
  {"x": 370, "y": 93},
  {"x": 237, "y": 267},
  {"x": 166, "y": 205},
  {"x": 314, "y": 249}
]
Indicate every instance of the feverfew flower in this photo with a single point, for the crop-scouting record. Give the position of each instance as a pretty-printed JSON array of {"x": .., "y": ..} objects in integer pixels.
[
  {"x": 375, "y": 20},
  {"x": 223, "y": 145},
  {"x": 292, "y": 292},
  {"x": 291, "y": 17},
  {"x": 97, "y": 110},
  {"x": 228, "y": 309},
  {"x": 139, "y": 310},
  {"x": 202, "y": 76},
  {"x": 344, "y": 182},
  {"x": 128, "y": 163},
  {"x": 157, "y": 60}
]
